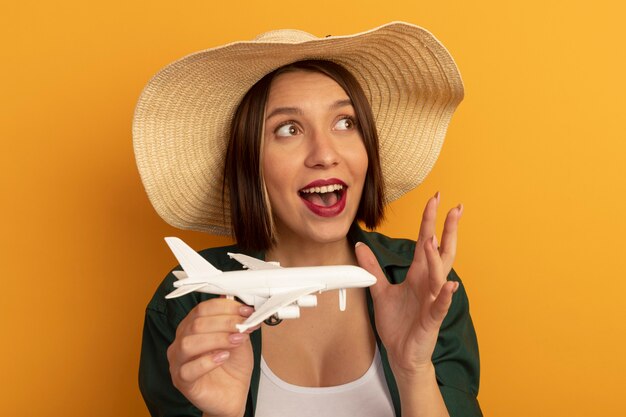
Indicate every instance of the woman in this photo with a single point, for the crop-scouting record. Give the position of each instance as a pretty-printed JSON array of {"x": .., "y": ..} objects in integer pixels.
[{"x": 301, "y": 164}]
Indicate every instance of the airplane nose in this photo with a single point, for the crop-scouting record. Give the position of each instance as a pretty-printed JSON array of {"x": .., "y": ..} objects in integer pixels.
[
  {"x": 369, "y": 278},
  {"x": 363, "y": 277}
]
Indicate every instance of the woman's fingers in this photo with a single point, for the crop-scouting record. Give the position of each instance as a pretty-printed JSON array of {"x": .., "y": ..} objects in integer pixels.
[
  {"x": 192, "y": 345},
  {"x": 441, "y": 289},
  {"x": 209, "y": 327},
  {"x": 220, "y": 306},
  {"x": 429, "y": 216},
  {"x": 449, "y": 237},
  {"x": 440, "y": 306},
  {"x": 436, "y": 275},
  {"x": 201, "y": 318},
  {"x": 213, "y": 324},
  {"x": 427, "y": 230},
  {"x": 193, "y": 370}
]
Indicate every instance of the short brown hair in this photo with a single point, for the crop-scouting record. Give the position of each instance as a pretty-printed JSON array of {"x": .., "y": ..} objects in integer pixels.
[{"x": 250, "y": 216}]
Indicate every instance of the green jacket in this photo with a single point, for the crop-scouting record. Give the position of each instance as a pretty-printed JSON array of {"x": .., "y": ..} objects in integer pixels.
[{"x": 455, "y": 356}]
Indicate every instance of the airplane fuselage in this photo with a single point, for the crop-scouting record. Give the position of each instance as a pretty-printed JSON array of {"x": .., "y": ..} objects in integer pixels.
[{"x": 266, "y": 283}]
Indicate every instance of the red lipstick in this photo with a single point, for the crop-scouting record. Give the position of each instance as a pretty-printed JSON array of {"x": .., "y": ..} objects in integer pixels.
[{"x": 314, "y": 202}]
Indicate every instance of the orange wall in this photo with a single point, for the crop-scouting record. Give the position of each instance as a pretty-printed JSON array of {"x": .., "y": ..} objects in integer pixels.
[{"x": 535, "y": 152}]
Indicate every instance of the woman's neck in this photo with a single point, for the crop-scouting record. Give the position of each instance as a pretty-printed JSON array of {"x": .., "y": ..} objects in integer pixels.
[{"x": 290, "y": 253}]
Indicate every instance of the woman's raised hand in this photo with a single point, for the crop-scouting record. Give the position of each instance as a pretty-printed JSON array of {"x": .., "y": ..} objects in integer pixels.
[
  {"x": 409, "y": 315},
  {"x": 210, "y": 362}
]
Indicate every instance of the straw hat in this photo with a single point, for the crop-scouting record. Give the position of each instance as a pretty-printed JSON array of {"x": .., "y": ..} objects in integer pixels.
[{"x": 182, "y": 120}]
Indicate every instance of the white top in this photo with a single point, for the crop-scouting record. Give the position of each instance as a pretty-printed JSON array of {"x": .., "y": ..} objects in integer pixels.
[{"x": 367, "y": 396}]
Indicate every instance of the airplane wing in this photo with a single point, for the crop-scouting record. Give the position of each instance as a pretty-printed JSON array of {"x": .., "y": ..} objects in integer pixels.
[
  {"x": 253, "y": 263},
  {"x": 185, "y": 289},
  {"x": 193, "y": 264},
  {"x": 275, "y": 303}
]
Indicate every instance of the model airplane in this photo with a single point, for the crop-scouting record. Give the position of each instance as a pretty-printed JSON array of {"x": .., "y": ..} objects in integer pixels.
[{"x": 275, "y": 292}]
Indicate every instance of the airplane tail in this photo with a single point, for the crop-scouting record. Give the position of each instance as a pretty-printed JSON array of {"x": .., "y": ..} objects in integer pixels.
[
  {"x": 194, "y": 265},
  {"x": 197, "y": 270}
]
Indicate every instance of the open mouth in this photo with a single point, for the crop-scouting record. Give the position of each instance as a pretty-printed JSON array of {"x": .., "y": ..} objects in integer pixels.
[{"x": 325, "y": 198}]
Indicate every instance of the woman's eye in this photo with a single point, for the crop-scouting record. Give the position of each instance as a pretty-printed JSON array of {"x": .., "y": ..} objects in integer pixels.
[
  {"x": 345, "y": 123},
  {"x": 286, "y": 130}
]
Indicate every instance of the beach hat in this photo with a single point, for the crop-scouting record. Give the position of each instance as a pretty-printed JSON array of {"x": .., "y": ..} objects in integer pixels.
[{"x": 182, "y": 119}]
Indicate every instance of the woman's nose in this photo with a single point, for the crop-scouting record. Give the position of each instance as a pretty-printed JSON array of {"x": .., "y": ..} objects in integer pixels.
[{"x": 322, "y": 152}]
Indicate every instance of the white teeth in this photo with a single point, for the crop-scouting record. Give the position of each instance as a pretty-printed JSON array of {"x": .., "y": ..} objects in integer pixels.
[{"x": 323, "y": 189}]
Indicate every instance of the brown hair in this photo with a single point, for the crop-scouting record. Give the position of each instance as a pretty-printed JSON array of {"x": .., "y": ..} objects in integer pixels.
[{"x": 251, "y": 218}]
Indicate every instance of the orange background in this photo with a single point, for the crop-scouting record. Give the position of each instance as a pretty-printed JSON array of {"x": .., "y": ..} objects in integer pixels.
[{"x": 535, "y": 152}]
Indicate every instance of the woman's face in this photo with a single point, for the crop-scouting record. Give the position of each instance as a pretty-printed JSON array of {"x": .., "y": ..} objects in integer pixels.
[{"x": 314, "y": 160}]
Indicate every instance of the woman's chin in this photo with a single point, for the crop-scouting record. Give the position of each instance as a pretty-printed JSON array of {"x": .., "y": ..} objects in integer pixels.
[{"x": 319, "y": 232}]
